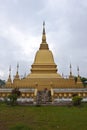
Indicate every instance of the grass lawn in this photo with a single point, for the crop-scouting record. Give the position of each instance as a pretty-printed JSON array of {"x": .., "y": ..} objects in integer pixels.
[{"x": 43, "y": 118}]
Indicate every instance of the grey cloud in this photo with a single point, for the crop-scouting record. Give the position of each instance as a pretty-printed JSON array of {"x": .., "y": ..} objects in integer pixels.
[{"x": 65, "y": 26}]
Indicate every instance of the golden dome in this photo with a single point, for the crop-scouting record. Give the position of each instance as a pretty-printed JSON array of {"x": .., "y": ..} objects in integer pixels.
[{"x": 44, "y": 57}]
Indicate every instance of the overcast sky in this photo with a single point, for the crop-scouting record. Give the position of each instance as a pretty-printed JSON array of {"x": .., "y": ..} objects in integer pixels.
[{"x": 21, "y": 33}]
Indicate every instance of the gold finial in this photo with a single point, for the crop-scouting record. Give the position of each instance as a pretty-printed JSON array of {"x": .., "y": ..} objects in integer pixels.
[
  {"x": 43, "y": 23},
  {"x": 9, "y": 77},
  {"x": 43, "y": 27},
  {"x": 17, "y": 67},
  {"x": 17, "y": 75},
  {"x": 70, "y": 69},
  {"x": 43, "y": 34},
  {"x": 10, "y": 71},
  {"x": 78, "y": 70}
]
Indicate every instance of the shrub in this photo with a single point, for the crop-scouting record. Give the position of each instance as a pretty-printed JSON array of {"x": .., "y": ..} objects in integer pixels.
[
  {"x": 16, "y": 91},
  {"x": 13, "y": 97},
  {"x": 76, "y": 100}
]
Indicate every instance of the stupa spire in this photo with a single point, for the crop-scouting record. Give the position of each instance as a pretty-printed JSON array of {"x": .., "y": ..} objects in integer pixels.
[
  {"x": 43, "y": 27},
  {"x": 70, "y": 69},
  {"x": 17, "y": 67},
  {"x": 70, "y": 76},
  {"x": 17, "y": 74},
  {"x": 78, "y": 78},
  {"x": 78, "y": 71},
  {"x": 43, "y": 33},
  {"x": 9, "y": 81},
  {"x": 44, "y": 45},
  {"x": 10, "y": 71},
  {"x": 9, "y": 78}
]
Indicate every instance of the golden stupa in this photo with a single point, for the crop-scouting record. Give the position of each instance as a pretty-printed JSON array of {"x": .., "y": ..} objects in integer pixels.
[
  {"x": 44, "y": 72},
  {"x": 44, "y": 78}
]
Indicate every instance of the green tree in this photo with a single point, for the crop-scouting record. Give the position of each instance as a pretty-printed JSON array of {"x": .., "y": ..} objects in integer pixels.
[
  {"x": 13, "y": 96},
  {"x": 2, "y": 83},
  {"x": 13, "y": 99},
  {"x": 76, "y": 100},
  {"x": 84, "y": 81}
]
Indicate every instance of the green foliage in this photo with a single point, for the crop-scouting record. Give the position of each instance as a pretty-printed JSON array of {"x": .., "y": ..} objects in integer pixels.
[
  {"x": 84, "y": 80},
  {"x": 76, "y": 100},
  {"x": 16, "y": 91},
  {"x": 2, "y": 83},
  {"x": 13, "y": 97}
]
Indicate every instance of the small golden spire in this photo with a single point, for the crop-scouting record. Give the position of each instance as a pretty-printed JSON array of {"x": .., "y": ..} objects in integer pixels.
[
  {"x": 70, "y": 69},
  {"x": 43, "y": 34},
  {"x": 44, "y": 45},
  {"x": 17, "y": 67},
  {"x": 43, "y": 27},
  {"x": 9, "y": 78},
  {"x": 17, "y": 75},
  {"x": 9, "y": 81},
  {"x": 78, "y": 71},
  {"x": 10, "y": 71},
  {"x": 78, "y": 78}
]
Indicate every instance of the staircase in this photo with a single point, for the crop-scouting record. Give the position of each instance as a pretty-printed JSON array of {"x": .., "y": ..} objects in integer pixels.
[{"x": 43, "y": 97}]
